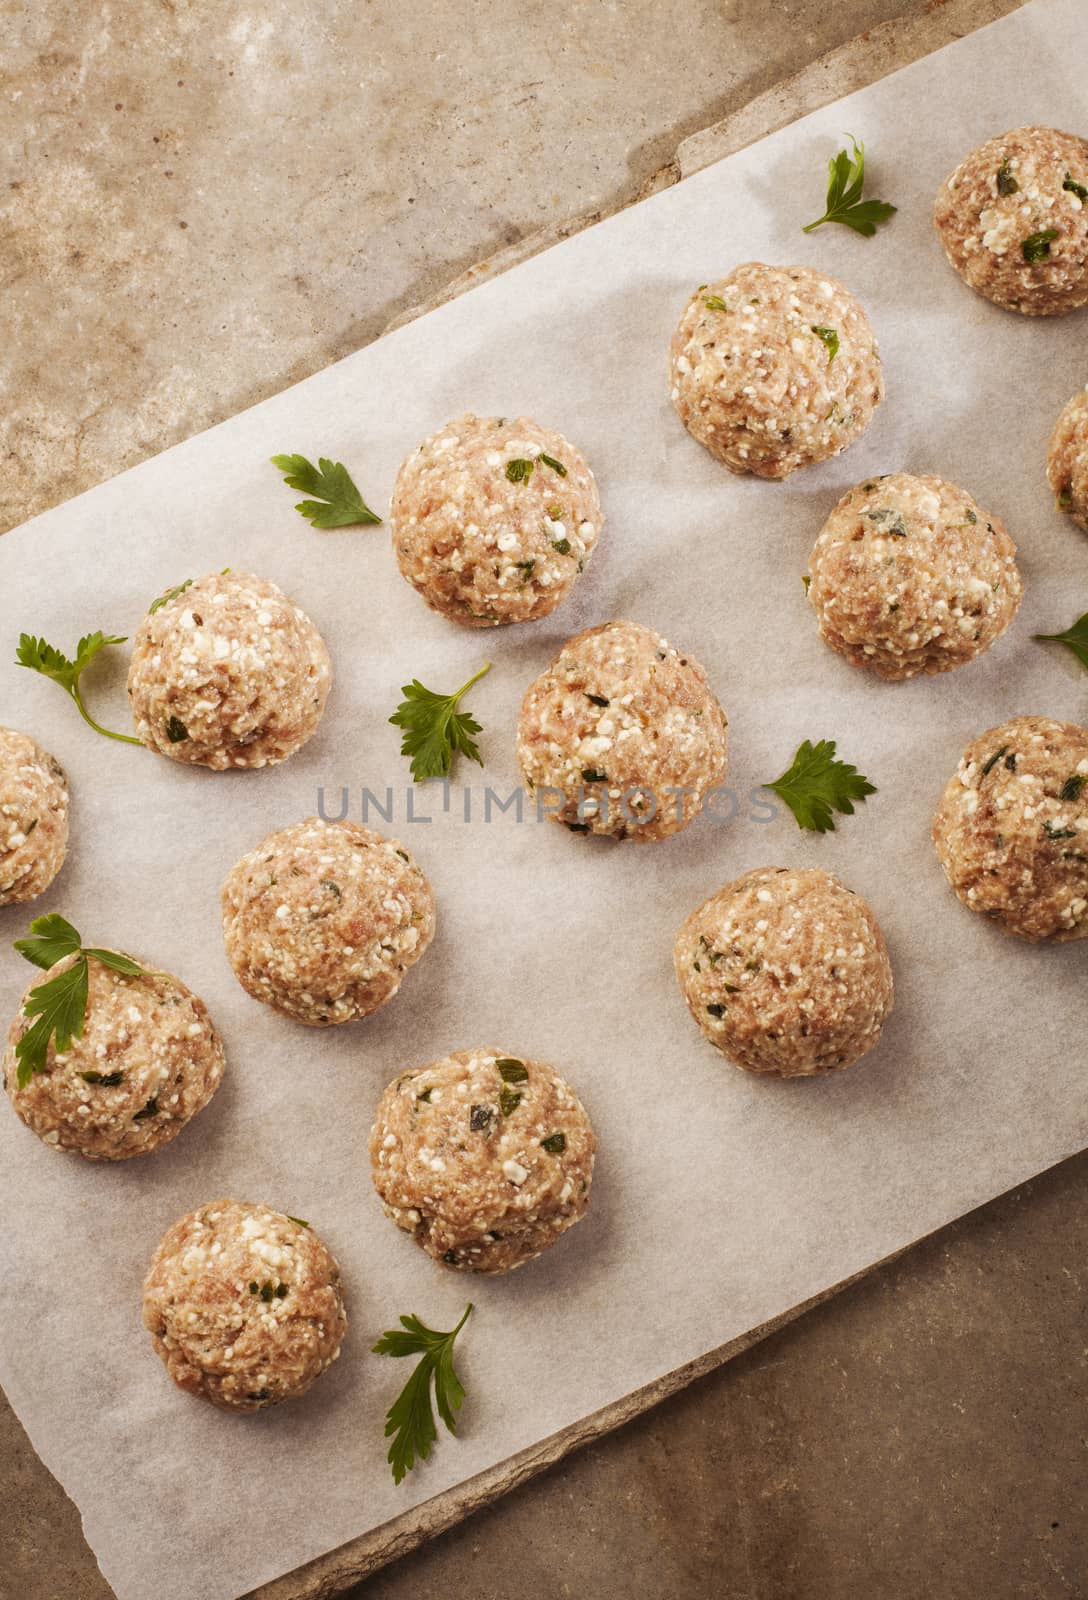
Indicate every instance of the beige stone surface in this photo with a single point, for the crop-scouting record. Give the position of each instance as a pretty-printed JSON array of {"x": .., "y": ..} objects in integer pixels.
[{"x": 335, "y": 166}]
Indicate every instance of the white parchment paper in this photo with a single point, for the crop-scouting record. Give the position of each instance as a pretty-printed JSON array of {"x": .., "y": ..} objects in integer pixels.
[{"x": 720, "y": 1201}]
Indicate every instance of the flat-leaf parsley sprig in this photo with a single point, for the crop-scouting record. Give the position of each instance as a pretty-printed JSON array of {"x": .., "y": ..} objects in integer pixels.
[
  {"x": 52, "y": 663},
  {"x": 410, "y": 1419},
  {"x": 59, "y": 1007},
  {"x": 338, "y": 503},
  {"x": 816, "y": 782},
  {"x": 846, "y": 180},
  {"x": 1074, "y": 638},
  {"x": 434, "y": 728}
]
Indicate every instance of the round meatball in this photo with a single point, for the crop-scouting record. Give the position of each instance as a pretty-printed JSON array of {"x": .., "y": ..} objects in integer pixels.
[
  {"x": 786, "y": 972},
  {"x": 493, "y": 520},
  {"x": 622, "y": 735},
  {"x": 910, "y": 575},
  {"x": 483, "y": 1157},
  {"x": 323, "y": 919},
  {"x": 1011, "y": 830},
  {"x": 33, "y": 818},
  {"x": 774, "y": 368},
  {"x": 148, "y": 1060},
  {"x": 244, "y": 1305},
  {"x": 227, "y": 672},
  {"x": 1067, "y": 461},
  {"x": 1013, "y": 221}
]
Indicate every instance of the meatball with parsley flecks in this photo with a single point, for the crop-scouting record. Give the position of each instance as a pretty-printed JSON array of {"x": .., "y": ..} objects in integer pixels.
[
  {"x": 147, "y": 1060},
  {"x": 494, "y": 519},
  {"x": 1013, "y": 221},
  {"x": 33, "y": 818},
  {"x": 622, "y": 735},
  {"x": 774, "y": 368},
  {"x": 485, "y": 1158},
  {"x": 227, "y": 672},
  {"x": 1011, "y": 831},
  {"x": 1067, "y": 460},
  {"x": 244, "y": 1305},
  {"x": 910, "y": 575},
  {"x": 786, "y": 972},
  {"x": 323, "y": 920}
]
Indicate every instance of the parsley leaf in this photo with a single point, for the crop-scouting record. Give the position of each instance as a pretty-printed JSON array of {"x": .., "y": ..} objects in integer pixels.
[
  {"x": 52, "y": 663},
  {"x": 846, "y": 180},
  {"x": 435, "y": 729},
  {"x": 410, "y": 1419},
  {"x": 331, "y": 482},
  {"x": 816, "y": 782},
  {"x": 1076, "y": 638},
  {"x": 58, "y": 1007}
]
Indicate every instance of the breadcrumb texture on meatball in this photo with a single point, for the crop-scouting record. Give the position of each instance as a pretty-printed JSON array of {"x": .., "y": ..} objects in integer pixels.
[
  {"x": 1011, "y": 830},
  {"x": 228, "y": 672},
  {"x": 1013, "y": 221},
  {"x": 148, "y": 1060},
  {"x": 910, "y": 575},
  {"x": 1067, "y": 461},
  {"x": 244, "y": 1305},
  {"x": 786, "y": 972},
  {"x": 323, "y": 919},
  {"x": 483, "y": 1157},
  {"x": 774, "y": 368},
  {"x": 494, "y": 519},
  {"x": 622, "y": 735},
  {"x": 33, "y": 818}
]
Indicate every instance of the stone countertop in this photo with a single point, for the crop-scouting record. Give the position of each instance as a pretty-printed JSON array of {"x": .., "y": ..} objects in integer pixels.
[{"x": 202, "y": 203}]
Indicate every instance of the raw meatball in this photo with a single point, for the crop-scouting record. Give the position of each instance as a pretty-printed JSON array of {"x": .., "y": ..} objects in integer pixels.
[
  {"x": 774, "y": 368},
  {"x": 1013, "y": 221},
  {"x": 624, "y": 733},
  {"x": 786, "y": 972},
  {"x": 484, "y": 1158},
  {"x": 1067, "y": 460},
  {"x": 227, "y": 672},
  {"x": 323, "y": 920},
  {"x": 1011, "y": 830},
  {"x": 148, "y": 1061},
  {"x": 493, "y": 520},
  {"x": 910, "y": 575},
  {"x": 33, "y": 818},
  {"x": 244, "y": 1305}
]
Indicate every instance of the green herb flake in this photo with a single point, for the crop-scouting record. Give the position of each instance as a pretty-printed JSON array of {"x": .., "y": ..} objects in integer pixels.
[
  {"x": 151, "y": 1109},
  {"x": 716, "y": 1011},
  {"x": 806, "y": 579},
  {"x": 593, "y": 775},
  {"x": 556, "y": 466},
  {"x": 562, "y": 546},
  {"x": 333, "y": 888},
  {"x": 176, "y": 731},
  {"x": 267, "y": 1291},
  {"x": 1036, "y": 247},
  {"x": 519, "y": 470},
  {"x": 511, "y": 1071},
  {"x": 527, "y": 568},
  {"x": 1076, "y": 188},
  {"x": 555, "y": 513},
  {"x": 994, "y": 759},
  {"x": 300, "y": 1222},
  {"x": 1058, "y": 833},
  {"x": 509, "y": 1100},
  {"x": 171, "y": 594},
  {"x": 554, "y": 1144},
  {"x": 254, "y": 1288},
  {"x": 1006, "y": 183},
  {"x": 410, "y": 1419},
  {"x": 846, "y": 181},
  {"x": 338, "y": 503},
  {"x": 1072, "y": 787},
  {"x": 830, "y": 338},
  {"x": 597, "y": 699},
  {"x": 106, "y": 1080},
  {"x": 714, "y": 302},
  {"x": 426, "y": 1096},
  {"x": 281, "y": 1291}
]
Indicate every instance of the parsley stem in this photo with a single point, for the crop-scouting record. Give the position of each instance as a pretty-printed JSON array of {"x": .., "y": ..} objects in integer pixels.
[
  {"x": 125, "y": 738},
  {"x": 465, "y": 687}
]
